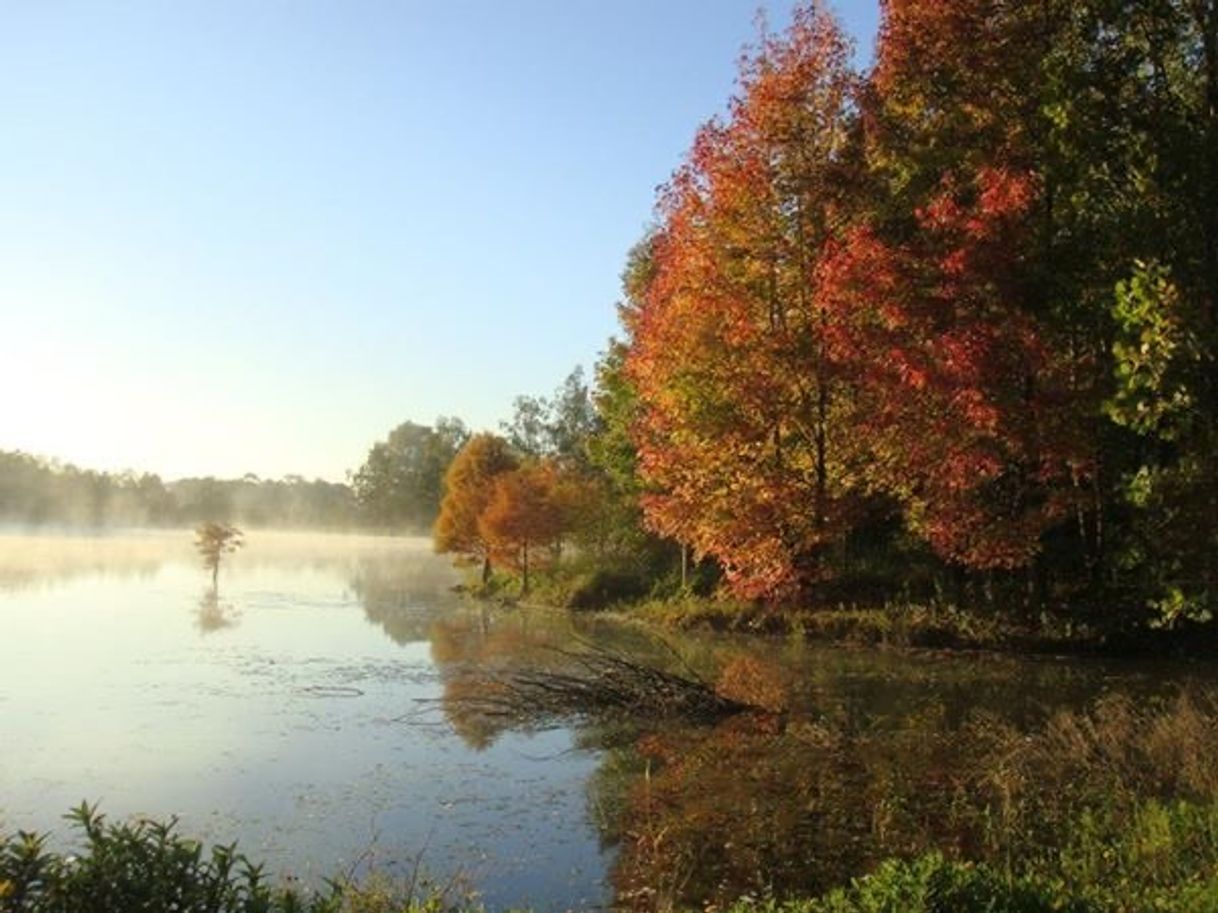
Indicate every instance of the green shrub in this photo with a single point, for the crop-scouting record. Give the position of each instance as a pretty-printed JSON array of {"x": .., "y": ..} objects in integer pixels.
[
  {"x": 147, "y": 867},
  {"x": 133, "y": 867},
  {"x": 604, "y": 587},
  {"x": 933, "y": 884}
]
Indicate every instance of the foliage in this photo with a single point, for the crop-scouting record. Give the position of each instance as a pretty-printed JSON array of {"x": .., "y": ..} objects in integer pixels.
[
  {"x": 594, "y": 585},
  {"x": 1154, "y": 353},
  {"x": 401, "y": 482},
  {"x": 934, "y": 884},
  {"x": 1164, "y": 861},
  {"x": 468, "y": 488},
  {"x": 146, "y": 866},
  {"x": 556, "y": 427},
  {"x": 527, "y": 511},
  {"x": 971, "y": 291},
  {"x": 215, "y": 540},
  {"x": 727, "y": 348},
  {"x": 139, "y": 866}
]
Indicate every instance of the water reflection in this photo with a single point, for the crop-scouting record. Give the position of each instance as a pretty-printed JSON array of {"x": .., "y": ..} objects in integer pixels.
[
  {"x": 403, "y": 592},
  {"x": 43, "y": 560},
  {"x": 282, "y": 732},
  {"x": 295, "y": 726},
  {"x": 849, "y": 757},
  {"x": 213, "y": 614}
]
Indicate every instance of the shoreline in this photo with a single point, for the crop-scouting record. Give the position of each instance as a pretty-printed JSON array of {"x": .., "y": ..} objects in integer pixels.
[{"x": 914, "y": 628}]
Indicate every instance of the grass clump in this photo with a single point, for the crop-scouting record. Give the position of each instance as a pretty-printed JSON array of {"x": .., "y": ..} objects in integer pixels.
[{"x": 589, "y": 585}]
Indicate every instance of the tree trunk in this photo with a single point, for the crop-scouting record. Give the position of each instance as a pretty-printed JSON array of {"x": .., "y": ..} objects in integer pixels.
[
  {"x": 524, "y": 567},
  {"x": 486, "y": 570}
]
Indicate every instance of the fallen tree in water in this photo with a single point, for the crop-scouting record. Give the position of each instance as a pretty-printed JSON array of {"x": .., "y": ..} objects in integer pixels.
[{"x": 593, "y": 682}]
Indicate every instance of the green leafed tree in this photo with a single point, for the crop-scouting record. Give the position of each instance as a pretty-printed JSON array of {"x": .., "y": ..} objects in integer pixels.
[
  {"x": 401, "y": 482},
  {"x": 557, "y": 426}
]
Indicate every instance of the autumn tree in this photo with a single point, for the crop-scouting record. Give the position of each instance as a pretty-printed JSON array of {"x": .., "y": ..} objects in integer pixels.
[
  {"x": 1107, "y": 111},
  {"x": 468, "y": 488},
  {"x": 612, "y": 522},
  {"x": 213, "y": 541},
  {"x": 744, "y": 435},
  {"x": 964, "y": 305},
  {"x": 529, "y": 509},
  {"x": 969, "y": 424}
]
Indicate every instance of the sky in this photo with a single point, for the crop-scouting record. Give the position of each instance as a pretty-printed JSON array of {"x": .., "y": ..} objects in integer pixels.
[{"x": 255, "y": 236}]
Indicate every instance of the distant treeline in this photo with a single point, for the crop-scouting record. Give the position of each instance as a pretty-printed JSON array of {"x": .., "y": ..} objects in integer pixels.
[{"x": 36, "y": 491}]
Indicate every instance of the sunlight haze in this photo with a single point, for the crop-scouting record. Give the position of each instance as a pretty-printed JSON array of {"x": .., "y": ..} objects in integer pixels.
[{"x": 255, "y": 237}]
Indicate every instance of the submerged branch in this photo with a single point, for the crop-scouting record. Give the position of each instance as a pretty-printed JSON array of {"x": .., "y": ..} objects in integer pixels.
[{"x": 589, "y": 683}]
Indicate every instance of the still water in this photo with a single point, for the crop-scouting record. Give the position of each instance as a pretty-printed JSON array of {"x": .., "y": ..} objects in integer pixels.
[{"x": 312, "y": 710}]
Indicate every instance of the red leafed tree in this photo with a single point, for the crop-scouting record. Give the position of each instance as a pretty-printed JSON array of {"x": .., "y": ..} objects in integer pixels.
[
  {"x": 969, "y": 423},
  {"x": 982, "y": 407},
  {"x": 527, "y": 511},
  {"x": 841, "y": 307},
  {"x": 742, "y": 438}
]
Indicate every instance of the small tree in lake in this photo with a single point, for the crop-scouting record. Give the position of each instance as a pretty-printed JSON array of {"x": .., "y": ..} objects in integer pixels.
[{"x": 213, "y": 541}]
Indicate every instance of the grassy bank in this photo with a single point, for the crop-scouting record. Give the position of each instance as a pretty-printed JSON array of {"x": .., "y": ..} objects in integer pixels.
[
  {"x": 914, "y": 625},
  {"x": 908, "y": 624}
]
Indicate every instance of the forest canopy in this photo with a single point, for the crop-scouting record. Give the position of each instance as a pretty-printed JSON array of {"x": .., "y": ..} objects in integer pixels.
[{"x": 957, "y": 311}]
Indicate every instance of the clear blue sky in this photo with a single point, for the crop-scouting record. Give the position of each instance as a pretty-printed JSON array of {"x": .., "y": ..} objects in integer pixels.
[{"x": 254, "y": 236}]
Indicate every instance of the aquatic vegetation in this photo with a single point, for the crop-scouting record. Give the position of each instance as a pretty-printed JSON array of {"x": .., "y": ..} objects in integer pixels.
[{"x": 590, "y": 683}]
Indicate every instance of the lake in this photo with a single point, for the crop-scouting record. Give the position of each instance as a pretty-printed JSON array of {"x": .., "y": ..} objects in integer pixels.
[{"x": 321, "y": 709}]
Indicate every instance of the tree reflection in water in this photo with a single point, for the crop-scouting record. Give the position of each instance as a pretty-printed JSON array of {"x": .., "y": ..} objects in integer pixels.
[
  {"x": 214, "y": 614},
  {"x": 849, "y": 758},
  {"x": 403, "y": 592}
]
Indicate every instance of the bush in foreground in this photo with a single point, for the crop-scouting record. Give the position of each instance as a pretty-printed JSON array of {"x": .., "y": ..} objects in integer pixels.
[{"x": 147, "y": 867}]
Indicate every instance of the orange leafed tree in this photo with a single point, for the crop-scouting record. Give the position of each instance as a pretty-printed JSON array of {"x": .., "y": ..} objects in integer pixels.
[
  {"x": 527, "y": 510},
  {"x": 743, "y": 439},
  {"x": 468, "y": 487},
  {"x": 840, "y": 322}
]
